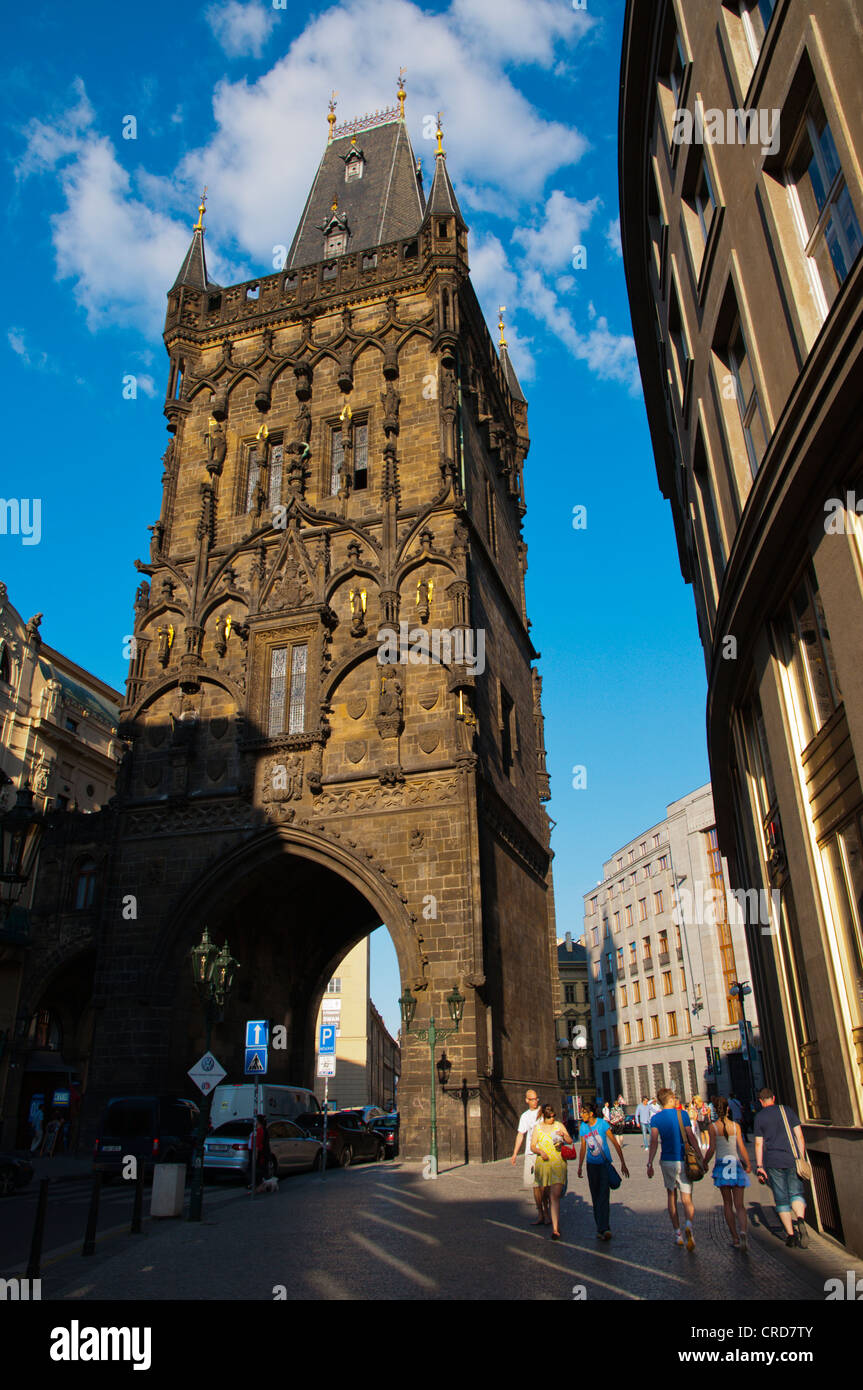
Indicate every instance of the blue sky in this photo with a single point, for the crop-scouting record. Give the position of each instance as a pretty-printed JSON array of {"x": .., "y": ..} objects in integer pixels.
[{"x": 234, "y": 94}]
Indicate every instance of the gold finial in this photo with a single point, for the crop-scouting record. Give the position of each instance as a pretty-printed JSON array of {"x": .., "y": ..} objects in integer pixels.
[
  {"x": 202, "y": 208},
  {"x": 262, "y": 434},
  {"x": 331, "y": 118},
  {"x": 401, "y": 93},
  {"x": 335, "y": 204},
  {"x": 440, "y": 148},
  {"x": 501, "y": 311}
]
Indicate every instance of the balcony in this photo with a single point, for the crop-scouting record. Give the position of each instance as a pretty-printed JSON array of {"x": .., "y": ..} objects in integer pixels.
[
  {"x": 633, "y": 969},
  {"x": 609, "y": 977},
  {"x": 620, "y": 972},
  {"x": 664, "y": 959},
  {"x": 647, "y": 963}
]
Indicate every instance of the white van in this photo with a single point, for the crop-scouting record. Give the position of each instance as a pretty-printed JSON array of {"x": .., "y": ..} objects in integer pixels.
[{"x": 276, "y": 1102}]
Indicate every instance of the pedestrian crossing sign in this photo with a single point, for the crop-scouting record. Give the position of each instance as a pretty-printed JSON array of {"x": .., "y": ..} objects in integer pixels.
[{"x": 256, "y": 1061}]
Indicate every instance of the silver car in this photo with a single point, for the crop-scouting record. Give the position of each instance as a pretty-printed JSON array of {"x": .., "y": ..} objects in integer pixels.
[{"x": 292, "y": 1150}]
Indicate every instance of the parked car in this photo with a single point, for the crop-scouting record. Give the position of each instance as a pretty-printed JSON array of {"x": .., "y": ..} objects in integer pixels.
[
  {"x": 276, "y": 1102},
  {"x": 348, "y": 1138},
  {"x": 387, "y": 1126},
  {"x": 292, "y": 1149},
  {"x": 152, "y": 1129},
  {"x": 14, "y": 1173},
  {"x": 369, "y": 1113}
]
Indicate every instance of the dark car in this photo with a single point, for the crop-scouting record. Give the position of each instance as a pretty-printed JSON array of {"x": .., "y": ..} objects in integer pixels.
[
  {"x": 348, "y": 1137},
  {"x": 14, "y": 1173},
  {"x": 387, "y": 1126},
  {"x": 152, "y": 1129}
]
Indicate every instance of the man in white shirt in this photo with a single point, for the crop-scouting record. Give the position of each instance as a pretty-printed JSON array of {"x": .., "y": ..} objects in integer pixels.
[
  {"x": 643, "y": 1115},
  {"x": 527, "y": 1120}
]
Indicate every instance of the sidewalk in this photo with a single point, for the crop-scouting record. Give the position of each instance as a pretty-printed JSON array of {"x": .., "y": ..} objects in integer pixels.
[{"x": 382, "y": 1231}]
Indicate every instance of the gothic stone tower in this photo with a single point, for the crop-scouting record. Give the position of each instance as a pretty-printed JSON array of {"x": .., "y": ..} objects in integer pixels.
[{"x": 346, "y": 461}]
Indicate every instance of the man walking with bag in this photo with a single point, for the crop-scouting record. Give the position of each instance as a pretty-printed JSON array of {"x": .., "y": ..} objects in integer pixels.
[
  {"x": 680, "y": 1161},
  {"x": 780, "y": 1157}
]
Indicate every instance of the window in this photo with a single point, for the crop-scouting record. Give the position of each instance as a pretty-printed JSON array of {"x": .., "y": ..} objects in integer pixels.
[
  {"x": 645, "y": 872},
  {"x": 828, "y": 225},
  {"x": 682, "y": 980},
  {"x": 843, "y": 857},
  {"x": 651, "y": 987},
  {"x": 253, "y": 478},
  {"x": 751, "y": 415},
  {"x": 656, "y": 840},
  {"x": 687, "y": 1020},
  {"x": 645, "y": 949},
  {"x": 620, "y": 958},
  {"x": 600, "y": 1006},
  {"x": 361, "y": 455},
  {"x": 275, "y": 478},
  {"x": 633, "y": 879},
  {"x": 335, "y": 244},
  {"x": 667, "y": 982},
  {"x": 595, "y": 935},
  {"x": 639, "y": 1030},
  {"x": 642, "y": 848},
  {"x": 278, "y": 671},
  {"x": 663, "y": 943},
  {"x": 569, "y": 994},
  {"x": 698, "y": 207},
  {"x": 627, "y": 1034},
  {"x": 627, "y": 915},
  {"x": 5, "y": 666},
  {"x": 709, "y": 510},
  {"x": 71, "y": 725},
  {"x": 726, "y": 944},
  {"x": 671, "y": 1024},
  {"x": 592, "y": 905},
  {"x": 623, "y": 997},
  {"x": 334, "y": 986},
  {"x": 679, "y": 345},
  {"x": 491, "y": 518},
  {"x": 297, "y": 712},
  {"x": 337, "y": 460},
  {"x": 617, "y": 921},
  {"x": 615, "y": 1035},
  {"x": 636, "y": 992},
  {"x": 662, "y": 862},
  {"x": 657, "y": 901},
  {"x": 84, "y": 891},
  {"x": 353, "y": 170},
  {"x": 631, "y": 855},
  {"x": 603, "y": 1040},
  {"x": 808, "y": 657},
  {"x": 678, "y": 940},
  {"x": 620, "y": 863},
  {"x": 654, "y": 1025},
  {"x": 756, "y": 16},
  {"x": 507, "y": 729},
  {"x": 633, "y": 954},
  {"x": 608, "y": 962},
  {"x": 642, "y": 909}
]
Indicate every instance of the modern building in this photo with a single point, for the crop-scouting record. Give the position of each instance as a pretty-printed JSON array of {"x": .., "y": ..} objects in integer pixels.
[
  {"x": 666, "y": 951},
  {"x": 574, "y": 1031},
  {"x": 367, "y": 1057},
  {"x": 58, "y": 738},
  {"x": 741, "y": 177}
]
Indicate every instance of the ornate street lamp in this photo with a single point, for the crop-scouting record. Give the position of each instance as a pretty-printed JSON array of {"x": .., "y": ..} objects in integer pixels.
[
  {"x": 22, "y": 829},
  {"x": 738, "y": 989},
  {"x": 432, "y": 1035},
  {"x": 213, "y": 970}
]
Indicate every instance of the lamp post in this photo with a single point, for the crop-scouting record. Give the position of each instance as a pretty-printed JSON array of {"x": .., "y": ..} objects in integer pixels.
[
  {"x": 213, "y": 971},
  {"x": 739, "y": 989},
  {"x": 432, "y": 1035},
  {"x": 578, "y": 1045},
  {"x": 464, "y": 1093},
  {"x": 22, "y": 829}
]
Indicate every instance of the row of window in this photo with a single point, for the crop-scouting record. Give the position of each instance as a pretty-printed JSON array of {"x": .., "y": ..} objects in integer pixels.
[
  {"x": 617, "y": 959},
  {"x": 631, "y": 993},
  {"x": 626, "y": 919},
  {"x": 656, "y": 866},
  {"x": 634, "y": 1032}
]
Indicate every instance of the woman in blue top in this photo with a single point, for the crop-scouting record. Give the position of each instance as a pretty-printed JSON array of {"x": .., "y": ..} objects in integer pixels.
[{"x": 595, "y": 1135}]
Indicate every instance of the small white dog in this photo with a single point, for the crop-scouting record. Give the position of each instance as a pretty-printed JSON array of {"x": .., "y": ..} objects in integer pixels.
[{"x": 269, "y": 1185}]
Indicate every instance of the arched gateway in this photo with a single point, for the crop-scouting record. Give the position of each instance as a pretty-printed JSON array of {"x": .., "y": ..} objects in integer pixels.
[{"x": 332, "y": 716}]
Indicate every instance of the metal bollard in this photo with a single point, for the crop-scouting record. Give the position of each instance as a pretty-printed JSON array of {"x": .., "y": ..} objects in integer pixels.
[
  {"x": 34, "y": 1263},
  {"x": 89, "y": 1246},
  {"x": 138, "y": 1203}
]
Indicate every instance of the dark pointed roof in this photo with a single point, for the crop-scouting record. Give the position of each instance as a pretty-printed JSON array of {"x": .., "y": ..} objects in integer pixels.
[
  {"x": 384, "y": 205},
  {"x": 509, "y": 373},
  {"x": 442, "y": 201},
  {"x": 193, "y": 271}
]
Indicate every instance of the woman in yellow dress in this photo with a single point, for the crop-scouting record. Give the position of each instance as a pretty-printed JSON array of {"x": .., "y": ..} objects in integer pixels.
[{"x": 550, "y": 1170}]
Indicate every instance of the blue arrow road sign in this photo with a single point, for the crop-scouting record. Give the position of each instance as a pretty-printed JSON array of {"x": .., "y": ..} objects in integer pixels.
[
  {"x": 257, "y": 1032},
  {"x": 256, "y": 1061},
  {"x": 327, "y": 1043}
]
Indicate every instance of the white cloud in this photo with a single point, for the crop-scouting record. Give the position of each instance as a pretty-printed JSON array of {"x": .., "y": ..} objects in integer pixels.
[
  {"x": 241, "y": 30},
  {"x": 517, "y": 32},
  {"x": 552, "y": 244},
  {"x": 612, "y": 236},
  {"x": 146, "y": 384}
]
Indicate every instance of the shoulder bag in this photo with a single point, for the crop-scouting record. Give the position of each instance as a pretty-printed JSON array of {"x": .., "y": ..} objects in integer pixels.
[
  {"x": 804, "y": 1167},
  {"x": 694, "y": 1170}
]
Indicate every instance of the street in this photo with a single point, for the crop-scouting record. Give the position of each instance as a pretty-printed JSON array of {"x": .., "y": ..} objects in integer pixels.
[{"x": 384, "y": 1231}]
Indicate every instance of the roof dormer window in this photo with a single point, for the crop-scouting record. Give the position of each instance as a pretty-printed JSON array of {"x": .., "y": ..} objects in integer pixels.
[
  {"x": 336, "y": 244},
  {"x": 353, "y": 170}
]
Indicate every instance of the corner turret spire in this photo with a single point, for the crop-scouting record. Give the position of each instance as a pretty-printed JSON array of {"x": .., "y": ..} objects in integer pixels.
[
  {"x": 193, "y": 271},
  {"x": 442, "y": 201}
]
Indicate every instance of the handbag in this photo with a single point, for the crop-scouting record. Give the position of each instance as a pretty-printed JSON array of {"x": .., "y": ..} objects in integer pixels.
[
  {"x": 694, "y": 1170},
  {"x": 614, "y": 1178},
  {"x": 804, "y": 1167},
  {"x": 568, "y": 1151}
]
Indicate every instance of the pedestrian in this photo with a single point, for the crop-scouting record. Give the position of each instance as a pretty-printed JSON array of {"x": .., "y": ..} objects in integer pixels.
[
  {"x": 37, "y": 1122},
  {"x": 643, "y": 1116},
  {"x": 617, "y": 1115},
  {"x": 606, "y": 1112},
  {"x": 731, "y": 1167},
  {"x": 736, "y": 1109},
  {"x": 595, "y": 1134},
  {"x": 527, "y": 1120},
  {"x": 699, "y": 1116},
  {"x": 260, "y": 1139},
  {"x": 546, "y": 1138},
  {"x": 779, "y": 1151},
  {"x": 671, "y": 1129},
  {"x": 653, "y": 1107}
]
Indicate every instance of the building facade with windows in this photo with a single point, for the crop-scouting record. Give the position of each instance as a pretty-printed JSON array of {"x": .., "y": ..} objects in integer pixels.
[
  {"x": 742, "y": 256},
  {"x": 575, "y": 1062},
  {"x": 367, "y": 1056},
  {"x": 665, "y": 945},
  {"x": 58, "y": 737}
]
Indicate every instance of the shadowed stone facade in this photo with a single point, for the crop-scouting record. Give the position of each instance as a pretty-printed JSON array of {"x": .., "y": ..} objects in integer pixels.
[{"x": 346, "y": 456}]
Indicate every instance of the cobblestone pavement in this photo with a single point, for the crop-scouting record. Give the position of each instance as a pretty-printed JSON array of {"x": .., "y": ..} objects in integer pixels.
[{"x": 382, "y": 1231}]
